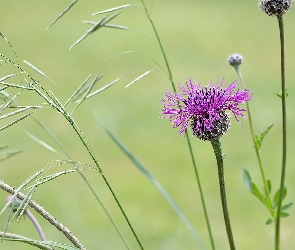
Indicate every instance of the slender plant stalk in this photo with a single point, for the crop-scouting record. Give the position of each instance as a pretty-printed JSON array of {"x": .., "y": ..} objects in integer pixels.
[
  {"x": 187, "y": 138},
  {"x": 24, "y": 239},
  {"x": 284, "y": 121},
  {"x": 86, "y": 181},
  {"x": 89, "y": 149},
  {"x": 201, "y": 191},
  {"x": 55, "y": 103},
  {"x": 216, "y": 144},
  {"x": 253, "y": 138},
  {"x": 40, "y": 210},
  {"x": 36, "y": 224}
]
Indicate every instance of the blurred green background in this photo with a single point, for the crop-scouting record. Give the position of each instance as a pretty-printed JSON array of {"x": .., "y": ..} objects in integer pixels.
[{"x": 197, "y": 36}]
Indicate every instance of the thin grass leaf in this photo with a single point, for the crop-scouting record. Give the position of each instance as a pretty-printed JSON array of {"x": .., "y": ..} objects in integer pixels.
[
  {"x": 32, "y": 177},
  {"x": 78, "y": 90},
  {"x": 110, "y": 18},
  {"x": 35, "y": 68},
  {"x": 113, "y": 9},
  {"x": 17, "y": 120},
  {"x": 115, "y": 26},
  {"x": 3, "y": 107},
  {"x": 98, "y": 76},
  {"x": 4, "y": 94},
  {"x": 51, "y": 177},
  {"x": 42, "y": 143},
  {"x": 96, "y": 26},
  {"x": 60, "y": 15},
  {"x": 108, "y": 25},
  {"x": 103, "y": 88},
  {"x": 140, "y": 77},
  {"x": 86, "y": 181},
  {"x": 8, "y": 76},
  {"x": 9, "y": 154},
  {"x": 59, "y": 245},
  {"x": 147, "y": 174},
  {"x": 19, "y": 111},
  {"x": 14, "y": 237},
  {"x": 6, "y": 85}
]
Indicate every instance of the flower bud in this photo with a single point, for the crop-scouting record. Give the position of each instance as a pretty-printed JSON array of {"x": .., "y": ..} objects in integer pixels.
[
  {"x": 275, "y": 7},
  {"x": 235, "y": 60}
]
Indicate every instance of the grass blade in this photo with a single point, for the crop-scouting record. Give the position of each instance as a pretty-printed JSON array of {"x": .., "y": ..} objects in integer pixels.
[
  {"x": 61, "y": 14},
  {"x": 138, "y": 78},
  {"x": 9, "y": 154},
  {"x": 35, "y": 68},
  {"x": 95, "y": 27},
  {"x": 147, "y": 174},
  {"x": 89, "y": 88},
  {"x": 42, "y": 143},
  {"x": 103, "y": 88},
  {"x": 113, "y": 9},
  {"x": 78, "y": 90}
]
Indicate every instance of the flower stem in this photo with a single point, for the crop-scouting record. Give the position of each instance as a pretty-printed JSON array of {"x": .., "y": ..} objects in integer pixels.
[
  {"x": 237, "y": 68},
  {"x": 201, "y": 192},
  {"x": 187, "y": 138},
  {"x": 284, "y": 121},
  {"x": 36, "y": 224},
  {"x": 40, "y": 210},
  {"x": 216, "y": 145}
]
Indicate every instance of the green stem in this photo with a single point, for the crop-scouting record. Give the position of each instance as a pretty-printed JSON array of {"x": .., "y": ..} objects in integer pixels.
[
  {"x": 188, "y": 141},
  {"x": 85, "y": 179},
  {"x": 89, "y": 149},
  {"x": 216, "y": 145},
  {"x": 284, "y": 121},
  {"x": 201, "y": 191},
  {"x": 253, "y": 139},
  {"x": 160, "y": 44}
]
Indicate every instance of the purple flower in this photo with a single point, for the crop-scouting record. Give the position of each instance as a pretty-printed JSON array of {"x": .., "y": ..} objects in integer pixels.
[{"x": 204, "y": 109}]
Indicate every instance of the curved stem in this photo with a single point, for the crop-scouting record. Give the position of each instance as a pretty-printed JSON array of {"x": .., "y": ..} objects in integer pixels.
[
  {"x": 86, "y": 181},
  {"x": 201, "y": 192},
  {"x": 40, "y": 210},
  {"x": 253, "y": 139},
  {"x": 25, "y": 240},
  {"x": 89, "y": 149},
  {"x": 284, "y": 125},
  {"x": 216, "y": 145},
  {"x": 36, "y": 224}
]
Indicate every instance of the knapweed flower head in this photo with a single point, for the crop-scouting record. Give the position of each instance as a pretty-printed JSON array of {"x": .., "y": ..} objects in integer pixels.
[
  {"x": 235, "y": 60},
  {"x": 205, "y": 110},
  {"x": 275, "y": 7}
]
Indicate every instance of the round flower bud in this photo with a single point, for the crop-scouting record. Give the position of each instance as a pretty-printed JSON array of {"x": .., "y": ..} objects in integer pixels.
[
  {"x": 275, "y": 7},
  {"x": 235, "y": 60}
]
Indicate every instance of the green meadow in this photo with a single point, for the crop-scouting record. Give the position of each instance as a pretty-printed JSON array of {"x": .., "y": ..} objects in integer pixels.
[{"x": 197, "y": 36}]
